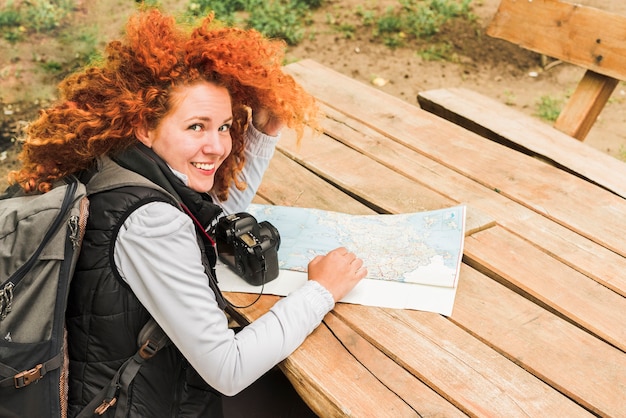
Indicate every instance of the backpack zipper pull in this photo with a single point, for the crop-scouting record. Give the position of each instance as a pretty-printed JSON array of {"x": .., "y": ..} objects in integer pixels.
[
  {"x": 74, "y": 231},
  {"x": 106, "y": 404},
  {"x": 109, "y": 400},
  {"x": 6, "y": 300}
]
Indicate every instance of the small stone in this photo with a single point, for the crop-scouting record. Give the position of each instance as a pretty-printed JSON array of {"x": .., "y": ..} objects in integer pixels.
[{"x": 379, "y": 81}]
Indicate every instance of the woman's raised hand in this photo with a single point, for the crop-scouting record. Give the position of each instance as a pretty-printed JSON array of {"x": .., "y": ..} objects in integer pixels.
[
  {"x": 338, "y": 271},
  {"x": 266, "y": 122}
]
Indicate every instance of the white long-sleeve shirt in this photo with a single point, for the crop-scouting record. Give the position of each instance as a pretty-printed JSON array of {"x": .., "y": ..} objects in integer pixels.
[{"x": 157, "y": 255}]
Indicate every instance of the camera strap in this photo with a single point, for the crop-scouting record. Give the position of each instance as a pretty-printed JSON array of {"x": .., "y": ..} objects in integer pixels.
[
  {"x": 206, "y": 241},
  {"x": 258, "y": 251}
]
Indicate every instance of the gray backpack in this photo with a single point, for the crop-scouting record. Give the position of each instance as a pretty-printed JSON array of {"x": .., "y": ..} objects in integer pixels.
[{"x": 40, "y": 238}]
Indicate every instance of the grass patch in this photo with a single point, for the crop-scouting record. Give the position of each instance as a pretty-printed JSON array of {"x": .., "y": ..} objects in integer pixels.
[
  {"x": 437, "y": 52},
  {"x": 418, "y": 19},
  {"x": 548, "y": 108},
  {"x": 287, "y": 19},
  {"x": 17, "y": 19},
  {"x": 284, "y": 19}
]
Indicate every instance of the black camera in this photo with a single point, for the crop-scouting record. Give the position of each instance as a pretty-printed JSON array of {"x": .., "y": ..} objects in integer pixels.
[{"x": 250, "y": 248}]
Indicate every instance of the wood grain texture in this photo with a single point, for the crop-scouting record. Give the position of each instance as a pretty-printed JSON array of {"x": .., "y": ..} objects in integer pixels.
[
  {"x": 574, "y": 362},
  {"x": 585, "y": 105},
  {"x": 585, "y": 36},
  {"x": 521, "y": 265}
]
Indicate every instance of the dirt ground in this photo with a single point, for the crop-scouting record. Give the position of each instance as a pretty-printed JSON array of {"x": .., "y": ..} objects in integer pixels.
[{"x": 492, "y": 67}]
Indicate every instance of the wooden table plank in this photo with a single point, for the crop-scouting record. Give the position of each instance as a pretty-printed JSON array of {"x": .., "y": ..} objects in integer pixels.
[
  {"x": 589, "y": 258},
  {"x": 579, "y": 365},
  {"x": 521, "y": 265},
  {"x": 369, "y": 397},
  {"x": 471, "y": 375},
  {"x": 421, "y": 398},
  {"x": 519, "y": 177},
  {"x": 287, "y": 183},
  {"x": 492, "y": 119},
  {"x": 320, "y": 367},
  {"x": 378, "y": 186}
]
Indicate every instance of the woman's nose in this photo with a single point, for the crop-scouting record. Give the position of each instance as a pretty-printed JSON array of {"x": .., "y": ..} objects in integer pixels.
[{"x": 213, "y": 143}]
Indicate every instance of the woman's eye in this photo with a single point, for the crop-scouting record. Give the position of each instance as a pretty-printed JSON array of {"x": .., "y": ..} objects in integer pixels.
[
  {"x": 196, "y": 127},
  {"x": 225, "y": 127}
]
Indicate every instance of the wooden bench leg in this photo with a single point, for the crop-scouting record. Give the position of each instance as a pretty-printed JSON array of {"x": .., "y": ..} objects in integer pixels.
[{"x": 585, "y": 105}]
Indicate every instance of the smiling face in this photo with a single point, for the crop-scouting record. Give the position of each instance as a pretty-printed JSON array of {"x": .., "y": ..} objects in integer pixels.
[{"x": 194, "y": 137}]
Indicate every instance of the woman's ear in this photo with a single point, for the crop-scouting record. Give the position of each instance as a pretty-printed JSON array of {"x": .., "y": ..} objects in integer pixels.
[{"x": 143, "y": 135}]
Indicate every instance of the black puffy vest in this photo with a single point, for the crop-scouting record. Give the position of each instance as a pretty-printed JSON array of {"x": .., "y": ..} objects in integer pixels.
[{"x": 104, "y": 317}]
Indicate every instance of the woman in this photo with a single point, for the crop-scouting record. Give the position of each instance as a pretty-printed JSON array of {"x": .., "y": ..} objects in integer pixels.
[{"x": 162, "y": 122}]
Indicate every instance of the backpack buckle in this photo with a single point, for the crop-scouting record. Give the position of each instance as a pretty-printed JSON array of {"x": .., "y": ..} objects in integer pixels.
[
  {"x": 148, "y": 349},
  {"x": 27, "y": 377},
  {"x": 106, "y": 404}
]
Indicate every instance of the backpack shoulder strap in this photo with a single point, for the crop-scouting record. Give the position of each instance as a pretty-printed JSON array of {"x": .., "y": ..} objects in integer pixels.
[
  {"x": 150, "y": 340},
  {"x": 25, "y": 268}
]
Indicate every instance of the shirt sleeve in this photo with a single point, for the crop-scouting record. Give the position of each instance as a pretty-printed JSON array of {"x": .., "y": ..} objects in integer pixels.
[
  {"x": 259, "y": 149},
  {"x": 157, "y": 255}
]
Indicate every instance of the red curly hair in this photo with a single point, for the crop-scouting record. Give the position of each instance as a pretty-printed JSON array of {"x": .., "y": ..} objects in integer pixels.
[{"x": 101, "y": 107}]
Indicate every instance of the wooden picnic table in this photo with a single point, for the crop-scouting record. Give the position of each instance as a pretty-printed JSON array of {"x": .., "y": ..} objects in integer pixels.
[{"x": 539, "y": 321}]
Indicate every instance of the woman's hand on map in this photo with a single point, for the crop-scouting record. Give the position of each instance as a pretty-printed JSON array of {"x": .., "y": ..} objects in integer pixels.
[{"x": 338, "y": 271}]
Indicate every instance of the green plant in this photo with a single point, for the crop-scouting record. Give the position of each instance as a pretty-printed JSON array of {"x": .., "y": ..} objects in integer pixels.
[
  {"x": 9, "y": 16},
  {"x": 12, "y": 35},
  {"x": 389, "y": 27},
  {"x": 84, "y": 43},
  {"x": 43, "y": 15},
  {"x": 368, "y": 17},
  {"x": 37, "y": 15},
  {"x": 307, "y": 4},
  {"x": 436, "y": 52},
  {"x": 275, "y": 18},
  {"x": 509, "y": 98},
  {"x": 548, "y": 108},
  {"x": 389, "y": 22},
  {"x": 426, "y": 18},
  {"x": 151, "y": 3},
  {"x": 420, "y": 19},
  {"x": 52, "y": 66},
  {"x": 451, "y": 9},
  {"x": 622, "y": 152},
  {"x": 347, "y": 30},
  {"x": 224, "y": 10}
]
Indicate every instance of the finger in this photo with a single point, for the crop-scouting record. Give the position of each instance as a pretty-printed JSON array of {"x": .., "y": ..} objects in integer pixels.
[
  {"x": 357, "y": 262},
  {"x": 361, "y": 272},
  {"x": 351, "y": 256}
]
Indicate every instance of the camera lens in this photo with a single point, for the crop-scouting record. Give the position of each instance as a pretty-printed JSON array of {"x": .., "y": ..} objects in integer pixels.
[{"x": 270, "y": 231}]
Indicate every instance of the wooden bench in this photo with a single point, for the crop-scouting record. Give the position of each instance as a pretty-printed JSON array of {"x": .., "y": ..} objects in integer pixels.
[{"x": 575, "y": 34}]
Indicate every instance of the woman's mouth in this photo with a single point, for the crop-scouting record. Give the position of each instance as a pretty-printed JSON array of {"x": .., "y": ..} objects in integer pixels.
[{"x": 204, "y": 166}]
